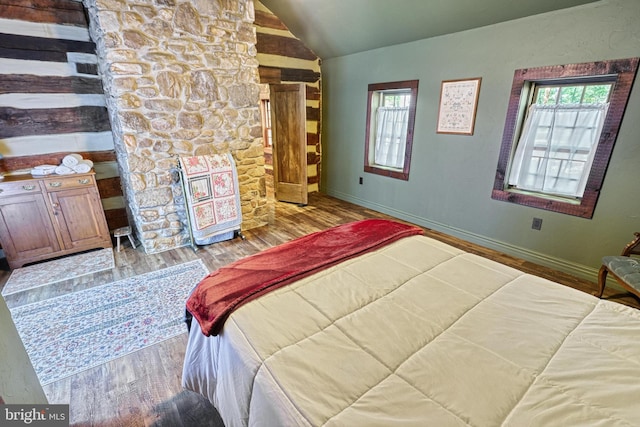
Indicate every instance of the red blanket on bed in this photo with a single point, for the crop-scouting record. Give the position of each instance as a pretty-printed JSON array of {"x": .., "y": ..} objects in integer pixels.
[{"x": 225, "y": 289}]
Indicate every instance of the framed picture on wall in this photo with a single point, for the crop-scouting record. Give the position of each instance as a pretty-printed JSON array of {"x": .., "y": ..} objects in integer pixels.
[{"x": 458, "y": 103}]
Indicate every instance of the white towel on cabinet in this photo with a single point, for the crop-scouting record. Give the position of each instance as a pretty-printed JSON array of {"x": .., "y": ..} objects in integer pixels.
[
  {"x": 83, "y": 166},
  {"x": 71, "y": 160},
  {"x": 64, "y": 170}
]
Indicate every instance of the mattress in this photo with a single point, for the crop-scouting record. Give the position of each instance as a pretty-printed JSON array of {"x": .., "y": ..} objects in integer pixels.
[{"x": 421, "y": 333}]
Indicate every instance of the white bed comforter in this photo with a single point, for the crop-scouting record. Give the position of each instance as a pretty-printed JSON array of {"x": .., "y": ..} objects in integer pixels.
[{"x": 420, "y": 333}]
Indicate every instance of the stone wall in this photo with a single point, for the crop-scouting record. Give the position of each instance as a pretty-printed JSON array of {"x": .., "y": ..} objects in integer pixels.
[{"x": 181, "y": 78}]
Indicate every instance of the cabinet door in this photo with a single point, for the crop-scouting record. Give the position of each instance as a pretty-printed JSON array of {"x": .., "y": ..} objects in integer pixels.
[
  {"x": 26, "y": 230},
  {"x": 80, "y": 218}
]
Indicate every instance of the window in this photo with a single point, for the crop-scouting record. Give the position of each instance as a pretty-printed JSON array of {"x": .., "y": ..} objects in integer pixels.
[
  {"x": 559, "y": 133},
  {"x": 559, "y": 139},
  {"x": 391, "y": 111},
  {"x": 265, "y": 110}
]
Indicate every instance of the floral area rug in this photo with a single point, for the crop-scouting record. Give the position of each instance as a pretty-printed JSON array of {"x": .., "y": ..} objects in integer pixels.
[
  {"x": 46, "y": 273},
  {"x": 74, "y": 332}
]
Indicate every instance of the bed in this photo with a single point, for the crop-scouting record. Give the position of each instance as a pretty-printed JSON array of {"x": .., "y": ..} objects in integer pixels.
[{"x": 409, "y": 331}]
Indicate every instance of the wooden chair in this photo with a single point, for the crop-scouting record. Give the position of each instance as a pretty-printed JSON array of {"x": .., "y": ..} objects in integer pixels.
[
  {"x": 624, "y": 268},
  {"x": 123, "y": 231}
]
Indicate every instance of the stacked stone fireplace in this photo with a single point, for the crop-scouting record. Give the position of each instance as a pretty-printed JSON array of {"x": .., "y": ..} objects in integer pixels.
[{"x": 180, "y": 78}]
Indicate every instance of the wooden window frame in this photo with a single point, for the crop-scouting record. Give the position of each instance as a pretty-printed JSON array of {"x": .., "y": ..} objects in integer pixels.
[
  {"x": 266, "y": 123},
  {"x": 369, "y": 166},
  {"x": 624, "y": 71}
]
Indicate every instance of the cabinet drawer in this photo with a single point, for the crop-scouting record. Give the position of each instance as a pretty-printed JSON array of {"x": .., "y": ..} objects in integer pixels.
[
  {"x": 19, "y": 187},
  {"x": 61, "y": 183}
]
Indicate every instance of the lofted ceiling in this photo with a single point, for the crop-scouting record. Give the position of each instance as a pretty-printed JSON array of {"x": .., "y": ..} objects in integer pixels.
[{"x": 334, "y": 28}]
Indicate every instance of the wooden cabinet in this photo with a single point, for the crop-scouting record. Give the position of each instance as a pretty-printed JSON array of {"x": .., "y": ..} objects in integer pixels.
[{"x": 42, "y": 218}]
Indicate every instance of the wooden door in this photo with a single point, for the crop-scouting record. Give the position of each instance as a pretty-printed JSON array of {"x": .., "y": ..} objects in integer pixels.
[
  {"x": 80, "y": 218},
  {"x": 25, "y": 229},
  {"x": 288, "y": 127}
]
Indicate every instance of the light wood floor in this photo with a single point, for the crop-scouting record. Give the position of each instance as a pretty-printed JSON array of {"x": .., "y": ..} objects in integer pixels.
[{"x": 143, "y": 389}]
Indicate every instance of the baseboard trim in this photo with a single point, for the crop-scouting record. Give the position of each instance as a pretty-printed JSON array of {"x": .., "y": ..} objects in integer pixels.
[{"x": 578, "y": 270}]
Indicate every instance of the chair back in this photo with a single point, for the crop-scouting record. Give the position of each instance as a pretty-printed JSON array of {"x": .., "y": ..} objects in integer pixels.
[{"x": 633, "y": 247}]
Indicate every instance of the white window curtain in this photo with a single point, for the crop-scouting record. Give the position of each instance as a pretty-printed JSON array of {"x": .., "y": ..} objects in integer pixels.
[
  {"x": 556, "y": 148},
  {"x": 391, "y": 136}
]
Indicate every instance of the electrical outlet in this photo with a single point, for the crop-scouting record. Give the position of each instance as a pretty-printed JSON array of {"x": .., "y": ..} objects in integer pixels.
[
  {"x": 360, "y": 181},
  {"x": 536, "y": 224}
]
